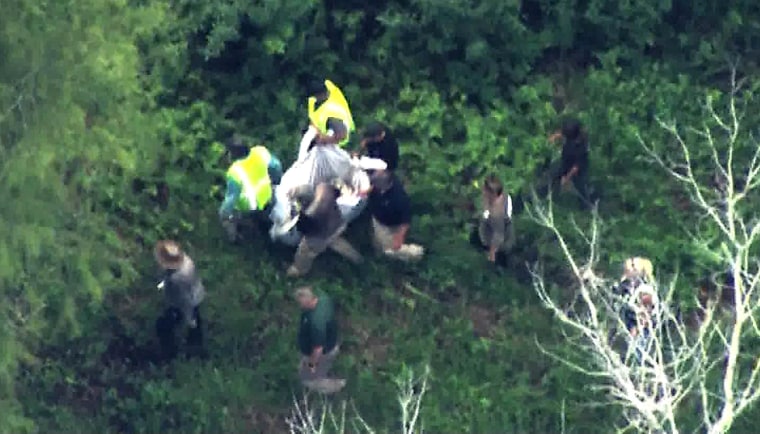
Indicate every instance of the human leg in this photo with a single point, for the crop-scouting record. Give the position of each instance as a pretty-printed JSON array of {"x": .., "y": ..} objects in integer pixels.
[
  {"x": 195, "y": 334},
  {"x": 341, "y": 246},
  {"x": 304, "y": 257},
  {"x": 382, "y": 238},
  {"x": 165, "y": 329}
]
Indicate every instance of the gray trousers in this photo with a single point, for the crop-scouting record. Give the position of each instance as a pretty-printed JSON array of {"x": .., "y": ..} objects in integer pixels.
[{"x": 319, "y": 380}]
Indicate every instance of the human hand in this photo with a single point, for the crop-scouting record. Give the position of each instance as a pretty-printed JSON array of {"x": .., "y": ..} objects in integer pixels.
[{"x": 398, "y": 241}]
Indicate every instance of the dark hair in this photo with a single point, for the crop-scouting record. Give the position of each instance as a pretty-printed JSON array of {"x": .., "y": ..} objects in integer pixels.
[
  {"x": 493, "y": 185},
  {"x": 236, "y": 147},
  {"x": 572, "y": 129},
  {"x": 374, "y": 129},
  {"x": 316, "y": 87},
  {"x": 382, "y": 180}
]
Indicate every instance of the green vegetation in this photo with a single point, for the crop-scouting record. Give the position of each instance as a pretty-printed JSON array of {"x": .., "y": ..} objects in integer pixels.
[{"x": 111, "y": 114}]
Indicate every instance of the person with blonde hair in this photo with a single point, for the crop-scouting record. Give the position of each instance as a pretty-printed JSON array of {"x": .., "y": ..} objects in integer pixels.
[
  {"x": 638, "y": 267},
  {"x": 183, "y": 294}
]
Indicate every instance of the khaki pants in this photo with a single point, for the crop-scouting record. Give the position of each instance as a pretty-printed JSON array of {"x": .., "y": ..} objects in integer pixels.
[
  {"x": 383, "y": 242},
  {"x": 309, "y": 249},
  {"x": 319, "y": 380}
]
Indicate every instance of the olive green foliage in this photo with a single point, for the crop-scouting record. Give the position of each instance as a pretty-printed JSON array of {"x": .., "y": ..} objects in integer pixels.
[{"x": 111, "y": 118}]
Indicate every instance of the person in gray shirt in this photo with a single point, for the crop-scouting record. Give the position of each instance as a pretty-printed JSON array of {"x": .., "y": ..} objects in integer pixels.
[
  {"x": 495, "y": 230},
  {"x": 183, "y": 293},
  {"x": 321, "y": 224}
]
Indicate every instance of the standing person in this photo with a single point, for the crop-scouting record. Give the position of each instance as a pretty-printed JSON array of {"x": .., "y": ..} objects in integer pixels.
[
  {"x": 379, "y": 142},
  {"x": 183, "y": 294},
  {"x": 321, "y": 224},
  {"x": 640, "y": 318},
  {"x": 391, "y": 210},
  {"x": 330, "y": 119},
  {"x": 317, "y": 340},
  {"x": 249, "y": 184},
  {"x": 495, "y": 229},
  {"x": 574, "y": 162}
]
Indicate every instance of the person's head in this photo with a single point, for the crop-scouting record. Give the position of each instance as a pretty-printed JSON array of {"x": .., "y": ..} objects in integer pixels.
[
  {"x": 168, "y": 254},
  {"x": 305, "y": 297},
  {"x": 639, "y": 268},
  {"x": 382, "y": 181},
  {"x": 571, "y": 129},
  {"x": 237, "y": 148},
  {"x": 646, "y": 295},
  {"x": 374, "y": 132},
  {"x": 317, "y": 89},
  {"x": 492, "y": 187}
]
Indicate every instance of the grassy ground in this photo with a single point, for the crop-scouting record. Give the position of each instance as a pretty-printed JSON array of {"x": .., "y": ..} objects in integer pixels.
[{"x": 474, "y": 324}]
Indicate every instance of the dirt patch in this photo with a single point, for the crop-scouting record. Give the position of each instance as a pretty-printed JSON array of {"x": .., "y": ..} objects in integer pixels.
[{"x": 485, "y": 321}]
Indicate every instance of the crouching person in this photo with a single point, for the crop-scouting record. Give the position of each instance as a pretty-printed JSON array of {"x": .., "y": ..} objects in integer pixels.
[
  {"x": 495, "y": 230},
  {"x": 317, "y": 341},
  {"x": 391, "y": 211},
  {"x": 183, "y": 294},
  {"x": 321, "y": 224}
]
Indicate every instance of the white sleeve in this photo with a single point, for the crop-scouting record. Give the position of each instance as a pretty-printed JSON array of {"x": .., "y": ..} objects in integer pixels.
[{"x": 306, "y": 140}]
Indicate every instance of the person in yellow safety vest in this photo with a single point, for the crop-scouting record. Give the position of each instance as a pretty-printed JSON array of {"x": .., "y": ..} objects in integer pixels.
[
  {"x": 249, "y": 184},
  {"x": 330, "y": 119}
]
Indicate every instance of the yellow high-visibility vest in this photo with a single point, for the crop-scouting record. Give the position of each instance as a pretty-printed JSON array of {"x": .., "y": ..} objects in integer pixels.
[
  {"x": 335, "y": 106},
  {"x": 252, "y": 175}
]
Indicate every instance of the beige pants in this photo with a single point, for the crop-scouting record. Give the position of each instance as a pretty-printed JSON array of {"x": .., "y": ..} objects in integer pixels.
[
  {"x": 309, "y": 249},
  {"x": 383, "y": 242},
  {"x": 319, "y": 380}
]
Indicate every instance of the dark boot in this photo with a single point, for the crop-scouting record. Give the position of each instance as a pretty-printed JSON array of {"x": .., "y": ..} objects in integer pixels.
[
  {"x": 165, "y": 328},
  {"x": 195, "y": 336}
]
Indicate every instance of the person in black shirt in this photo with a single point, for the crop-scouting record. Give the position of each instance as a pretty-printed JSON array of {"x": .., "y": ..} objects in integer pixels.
[
  {"x": 391, "y": 211},
  {"x": 378, "y": 142},
  {"x": 574, "y": 163}
]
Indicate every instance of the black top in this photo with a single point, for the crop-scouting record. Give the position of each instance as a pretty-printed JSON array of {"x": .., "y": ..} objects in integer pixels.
[
  {"x": 386, "y": 150},
  {"x": 393, "y": 207},
  {"x": 320, "y": 216},
  {"x": 574, "y": 152}
]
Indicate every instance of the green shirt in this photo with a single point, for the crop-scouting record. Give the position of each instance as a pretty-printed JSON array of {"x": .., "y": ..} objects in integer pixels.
[{"x": 318, "y": 327}]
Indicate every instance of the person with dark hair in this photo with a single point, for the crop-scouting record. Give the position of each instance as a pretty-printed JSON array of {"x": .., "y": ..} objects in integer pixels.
[
  {"x": 321, "y": 224},
  {"x": 574, "y": 162},
  {"x": 249, "y": 184},
  {"x": 379, "y": 142},
  {"x": 183, "y": 293},
  {"x": 391, "y": 210},
  {"x": 330, "y": 119},
  {"x": 495, "y": 231}
]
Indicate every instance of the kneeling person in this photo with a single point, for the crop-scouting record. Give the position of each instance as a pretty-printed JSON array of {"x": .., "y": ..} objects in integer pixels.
[
  {"x": 249, "y": 185},
  {"x": 391, "y": 211}
]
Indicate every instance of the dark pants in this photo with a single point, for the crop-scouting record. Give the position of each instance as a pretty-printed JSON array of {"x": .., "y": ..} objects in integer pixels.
[
  {"x": 553, "y": 181},
  {"x": 166, "y": 326}
]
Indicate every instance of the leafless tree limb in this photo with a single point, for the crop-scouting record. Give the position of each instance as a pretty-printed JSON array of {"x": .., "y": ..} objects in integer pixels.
[{"x": 676, "y": 363}]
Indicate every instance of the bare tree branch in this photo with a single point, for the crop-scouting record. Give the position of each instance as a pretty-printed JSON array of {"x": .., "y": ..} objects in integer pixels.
[{"x": 653, "y": 379}]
